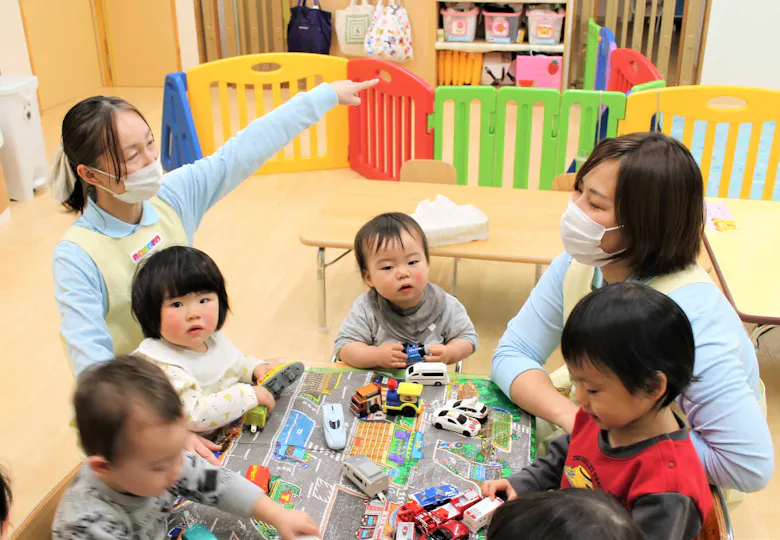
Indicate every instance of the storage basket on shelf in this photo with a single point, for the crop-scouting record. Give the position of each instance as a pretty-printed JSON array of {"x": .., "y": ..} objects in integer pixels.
[
  {"x": 538, "y": 71},
  {"x": 544, "y": 27},
  {"x": 459, "y": 25},
  {"x": 501, "y": 27}
]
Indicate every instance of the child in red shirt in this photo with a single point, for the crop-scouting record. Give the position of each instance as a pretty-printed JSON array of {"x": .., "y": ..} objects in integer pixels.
[{"x": 630, "y": 353}]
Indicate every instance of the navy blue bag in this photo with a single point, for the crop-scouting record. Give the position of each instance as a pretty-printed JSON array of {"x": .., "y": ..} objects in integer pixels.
[{"x": 310, "y": 29}]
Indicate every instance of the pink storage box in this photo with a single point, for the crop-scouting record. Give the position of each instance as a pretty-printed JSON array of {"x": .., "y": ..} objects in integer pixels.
[
  {"x": 539, "y": 71},
  {"x": 501, "y": 27}
]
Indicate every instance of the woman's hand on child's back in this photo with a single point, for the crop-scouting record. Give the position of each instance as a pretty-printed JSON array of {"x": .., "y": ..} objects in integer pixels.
[
  {"x": 491, "y": 487},
  {"x": 264, "y": 397},
  {"x": 347, "y": 91},
  {"x": 391, "y": 356}
]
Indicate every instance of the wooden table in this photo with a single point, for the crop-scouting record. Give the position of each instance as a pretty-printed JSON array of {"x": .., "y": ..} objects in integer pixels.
[
  {"x": 746, "y": 261},
  {"x": 524, "y": 225}
]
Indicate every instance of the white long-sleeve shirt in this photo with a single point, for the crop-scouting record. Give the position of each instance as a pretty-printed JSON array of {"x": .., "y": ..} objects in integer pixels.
[{"x": 214, "y": 387}]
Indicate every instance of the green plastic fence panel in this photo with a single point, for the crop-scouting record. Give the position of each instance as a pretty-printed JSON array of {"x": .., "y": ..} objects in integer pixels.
[
  {"x": 591, "y": 53},
  {"x": 652, "y": 85},
  {"x": 463, "y": 96},
  {"x": 591, "y": 103},
  {"x": 526, "y": 98}
]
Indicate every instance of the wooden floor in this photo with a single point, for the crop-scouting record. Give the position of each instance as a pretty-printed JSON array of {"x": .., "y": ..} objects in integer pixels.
[{"x": 253, "y": 236}]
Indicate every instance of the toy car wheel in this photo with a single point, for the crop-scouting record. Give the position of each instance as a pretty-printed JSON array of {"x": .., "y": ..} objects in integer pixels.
[
  {"x": 408, "y": 412},
  {"x": 437, "y": 383},
  {"x": 466, "y": 433},
  {"x": 437, "y": 425}
]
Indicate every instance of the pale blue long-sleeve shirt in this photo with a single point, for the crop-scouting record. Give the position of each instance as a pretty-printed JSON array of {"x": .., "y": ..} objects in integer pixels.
[
  {"x": 79, "y": 288},
  {"x": 730, "y": 432}
]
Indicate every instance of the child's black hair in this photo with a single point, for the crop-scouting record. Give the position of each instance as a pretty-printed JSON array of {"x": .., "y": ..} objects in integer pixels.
[
  {"x": 173, "y": 272},
  {"x": 109, "y": 393},
  {"x": 385, "y": 229},
  {"x": 6, "y": 497},
  {"x": 633, "y": 332},
  {"x": 563, "y": 514}
]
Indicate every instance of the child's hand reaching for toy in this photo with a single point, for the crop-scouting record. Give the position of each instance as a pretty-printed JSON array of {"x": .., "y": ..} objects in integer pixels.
[
  {"x": 291, "y": 524},
  {"x": 264, "y": 397},
  {"x": 391, "y": 356},
  {"x": 261, "y": 370},
  {"x": 347, "y": 91},
  {"x": 490, "y": 487}
]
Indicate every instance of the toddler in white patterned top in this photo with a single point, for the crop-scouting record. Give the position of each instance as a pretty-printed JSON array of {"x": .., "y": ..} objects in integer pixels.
[{"x": 180, "y": 301}]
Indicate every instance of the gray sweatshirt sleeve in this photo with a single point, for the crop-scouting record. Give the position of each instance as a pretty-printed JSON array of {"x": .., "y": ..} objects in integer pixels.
[
  {"x": 667, "y": 516},
  {"x": 545, "y": 472},
  {"x": 459, "y": 324},
  {"x": 216, "y": 486},
  {"x": 357, "y": 326}
]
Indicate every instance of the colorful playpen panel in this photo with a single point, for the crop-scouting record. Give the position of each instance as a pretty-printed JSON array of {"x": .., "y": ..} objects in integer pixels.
[
  {"x": 268, "y": 80},
  {"x": 730, "y": 130},
  {"x": 180, "y": 143},
  {"x": 390, "y": 127}
]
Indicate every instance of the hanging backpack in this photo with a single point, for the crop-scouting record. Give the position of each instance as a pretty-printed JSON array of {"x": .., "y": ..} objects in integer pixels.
[
  {"x": 390, "y": 34},
  {"x": 309, "y": 30},
  {"x": 352, "y": 25}
]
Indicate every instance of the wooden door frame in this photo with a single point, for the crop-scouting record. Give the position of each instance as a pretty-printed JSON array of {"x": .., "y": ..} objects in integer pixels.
[
  {"x": 105, "y": 64},
  {"x": 29, "y": 55}
]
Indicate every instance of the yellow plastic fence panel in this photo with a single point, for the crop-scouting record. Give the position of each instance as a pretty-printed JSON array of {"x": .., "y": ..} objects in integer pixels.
[
  {"x": 273, "y": 78},
  {"x": 727, "y": 113}
]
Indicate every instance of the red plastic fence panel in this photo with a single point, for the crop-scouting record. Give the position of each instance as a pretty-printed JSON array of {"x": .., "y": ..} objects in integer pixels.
[
  {"x": 390, "y": 126},
  {"x": 630, "y": 68}
]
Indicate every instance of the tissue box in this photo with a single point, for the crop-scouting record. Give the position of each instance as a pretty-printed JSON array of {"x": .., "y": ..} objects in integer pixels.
[{"x": 445, "y": 223}]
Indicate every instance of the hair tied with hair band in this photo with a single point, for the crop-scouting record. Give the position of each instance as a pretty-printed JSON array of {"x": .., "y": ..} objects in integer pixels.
[{"x": 62, "y": 180}]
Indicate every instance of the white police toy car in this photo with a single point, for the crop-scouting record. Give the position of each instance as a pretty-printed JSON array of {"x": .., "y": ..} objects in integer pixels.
[
  {"x": 333, "y": 426},
  {"x": 470, "y": 407},
  {"x": 456, "y": 421}
]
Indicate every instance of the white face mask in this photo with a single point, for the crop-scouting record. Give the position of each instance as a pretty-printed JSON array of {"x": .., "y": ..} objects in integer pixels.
[
  {"x": 140, "y": 186},
  {"x": 582, "y": 237}
]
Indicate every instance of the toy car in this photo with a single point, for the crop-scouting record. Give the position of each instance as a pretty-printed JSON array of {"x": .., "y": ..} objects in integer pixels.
[
  {"x": 466, "y": 500},
  {"x": 426, "y": 522},
  {"x": 405, "y": 399},
  {"x": 453, "y": 420},
  {"x": 333, "y": 426},
  {"x": 428, "y": 373},
  {"x": 404, "y": 531},
  {"x": 415, "y": 353},
  {"x": 254, "y": 419},
  {"x": 198, "y": 532},
  {"x": 436, "y": 496},
  {"x": 259, "y": 475},
  {"x": 280, "y": 377},
  {"x": 470, "y": 407},
  {"x": 409, "y": 511},
  {"x": 366, "y": 400},
  {"x": 480, "y": 514},
  {"x": 451, "y": 530},
  {"x": 366, "y": 475}
]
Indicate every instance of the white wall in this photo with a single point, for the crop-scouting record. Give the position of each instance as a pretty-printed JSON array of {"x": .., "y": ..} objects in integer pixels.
[
  {"x": 14, "y": 58},
  {"x": 188, "y": 37},
  {"x": 743, "y": 40}
]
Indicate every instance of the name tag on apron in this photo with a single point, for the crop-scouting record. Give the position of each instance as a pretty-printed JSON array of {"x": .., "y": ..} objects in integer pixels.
[{"x": 147, "y": 248}]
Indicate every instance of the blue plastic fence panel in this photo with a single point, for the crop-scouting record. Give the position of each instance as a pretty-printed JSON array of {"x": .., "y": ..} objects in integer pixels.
[
  {"x": 180, "y": 144},
  {"x": 607, "y": 44}
]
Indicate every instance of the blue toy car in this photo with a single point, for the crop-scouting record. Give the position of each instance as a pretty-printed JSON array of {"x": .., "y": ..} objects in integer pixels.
[
  {"x": 436, "y": 496},
  {"x": 415, "y": 353},
  {"x": 333, "y": 426},
  {"x": 198, "y": 532}
]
